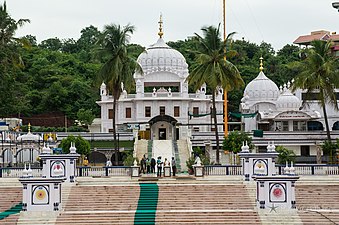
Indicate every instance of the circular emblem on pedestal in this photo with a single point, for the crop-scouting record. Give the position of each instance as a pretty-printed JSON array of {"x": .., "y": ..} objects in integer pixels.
[
  {"x": 277, "y": 192},
  {"x": 40, "y": 194}
]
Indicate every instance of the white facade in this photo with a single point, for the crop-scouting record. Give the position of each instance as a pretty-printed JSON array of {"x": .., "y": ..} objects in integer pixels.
[
  {"x": 162, "y": 103},
  {"x": 283, "y": 118},
  {"x": 282, "y": 110}
]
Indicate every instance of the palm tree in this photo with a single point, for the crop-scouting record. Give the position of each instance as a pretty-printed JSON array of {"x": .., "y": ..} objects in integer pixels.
[
  {"x": 8, "y": 26},
  {"x": 10, "y": 58},
  {"x": 319, "y": 76},
  {"x": 212, "y": 68},
  {"x": 118, "y": 66}
]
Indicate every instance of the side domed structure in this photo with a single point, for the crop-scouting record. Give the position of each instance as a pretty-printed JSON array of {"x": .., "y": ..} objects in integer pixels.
[
  {"x": 288, "y": 101},
  {"x": 265, "y": 107}
]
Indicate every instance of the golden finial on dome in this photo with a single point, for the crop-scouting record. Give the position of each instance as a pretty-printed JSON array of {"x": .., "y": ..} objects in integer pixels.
[
  {"x": 29, "y": 127},
  {"x": 261, "y": 64},
  {"x": 160, "y": 33}
]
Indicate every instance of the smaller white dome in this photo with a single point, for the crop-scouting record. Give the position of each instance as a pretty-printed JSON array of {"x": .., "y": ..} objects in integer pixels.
[
  {"x": 29, "y": 137},
  {"x": 262, "y": 89},
  {"x": 288, "y": 101}
]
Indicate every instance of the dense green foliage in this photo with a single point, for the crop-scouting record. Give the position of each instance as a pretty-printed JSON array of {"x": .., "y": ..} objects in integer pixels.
[
  {"x": 285, "y": 155},
  {"x": 129, "y": 159},
  {"x": 82, "y": 145},
  {"x": 331, "y": 149},
  {"x": 234, "y": 141},
  {"x": 197, "y": 151},
  {"x": 60, "y": 74}
]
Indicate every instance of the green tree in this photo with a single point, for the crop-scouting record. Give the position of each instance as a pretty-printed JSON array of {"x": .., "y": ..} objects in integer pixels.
[
  {"x": 85, "y": 116},
  {"x": 53, "y": 44},
  {"x": 212, "y": 68},
  {"x": 234, "y": 141},
  {"x": 319, "y": 74},
  {"x": 83, "y": 147},
  {"x": 118, "y": 66},
  {"x": 10, "y": 60},
  {"x": 285, "y": 155}
]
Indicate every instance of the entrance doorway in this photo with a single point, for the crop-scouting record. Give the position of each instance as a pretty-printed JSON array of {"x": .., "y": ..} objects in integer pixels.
[{"x": 162, "y": 133}]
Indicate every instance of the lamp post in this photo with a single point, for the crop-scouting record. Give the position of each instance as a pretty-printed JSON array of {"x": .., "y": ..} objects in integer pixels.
[{"x": 336, "y": 5}]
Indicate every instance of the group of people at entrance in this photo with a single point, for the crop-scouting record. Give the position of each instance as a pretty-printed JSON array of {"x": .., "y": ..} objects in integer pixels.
[{"x": 148, "y": 166}]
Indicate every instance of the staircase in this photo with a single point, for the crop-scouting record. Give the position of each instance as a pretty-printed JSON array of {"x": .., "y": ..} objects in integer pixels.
[
  {"x": 147, "y": 204},
  {"x": 141, "y": 148},
  {"x": 205, "y": 204},
  {"x": 318, "y": 202},
  {"x": 162, "y": 148},
  {"x": 177, "y": 157},
  {"x": 184, "y": 153},
  {"x": 114, "y": 204},
  {"x": 10, "y": 204},
  {"x": 149, "y": 149}
]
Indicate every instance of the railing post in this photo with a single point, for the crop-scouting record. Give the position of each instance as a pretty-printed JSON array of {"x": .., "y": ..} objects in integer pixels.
[
  {"x": 80, "y": 171},
  {"x": 227, "y": 170},
  {"x": 0, "y": 172},
  {"x": 106, "y": 171},
  {"x": 312, "y": 169},
  {"x": 279, "y": 169}
]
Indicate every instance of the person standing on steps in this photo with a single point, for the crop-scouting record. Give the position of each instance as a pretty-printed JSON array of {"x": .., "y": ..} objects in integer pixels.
[
  {"x": 159, "y": 166},
  {"x": 143, "y": 165},
  {"x": 148, "y": 166},
  {"x": 174, "y": 167},
  {"x": 153, "y": 162}
]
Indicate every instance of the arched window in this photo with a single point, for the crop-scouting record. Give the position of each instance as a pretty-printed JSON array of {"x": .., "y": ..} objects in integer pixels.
[
  {"x": 335, "y": 126},
  {"x": 315, "y": 125}
]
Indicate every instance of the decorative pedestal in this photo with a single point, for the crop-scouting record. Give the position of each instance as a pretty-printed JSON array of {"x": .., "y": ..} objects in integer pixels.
[
  {"x": 41, "y": 194},
  {"x": 167, "y": 171},
  {"x": 276, "y": 191},
  {"x": 59, "y": 166},
  {"x": 258, "y": 164},
  {"x": 135, "y": 171},
  {"x": 198, "y": 171}
]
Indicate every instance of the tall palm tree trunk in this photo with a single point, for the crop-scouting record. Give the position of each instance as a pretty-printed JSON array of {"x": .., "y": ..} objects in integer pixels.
[
  {"x": 214, "y": 113},
  {"x": 328, "y": 133},
  {"x": 116, "y": 158}
]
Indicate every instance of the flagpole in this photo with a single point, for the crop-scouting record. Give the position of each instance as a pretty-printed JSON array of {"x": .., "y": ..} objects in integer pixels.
[{"x": 225, "y": 91}]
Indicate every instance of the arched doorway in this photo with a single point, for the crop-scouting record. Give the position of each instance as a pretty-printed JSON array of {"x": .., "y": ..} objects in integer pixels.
[
  {"x": 27, "y": 155},
  {"x": 7, "y": 157},
  {"x": 163, "y": 127},
  {"x": 97, "y": 158}
]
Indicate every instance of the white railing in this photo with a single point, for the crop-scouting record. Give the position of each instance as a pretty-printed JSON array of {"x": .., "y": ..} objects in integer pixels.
[{"x": 18, "y": 172}]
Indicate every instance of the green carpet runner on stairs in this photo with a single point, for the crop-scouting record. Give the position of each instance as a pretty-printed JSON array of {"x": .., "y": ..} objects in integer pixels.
[
  {"x": 147, "y": 204},
  {"x": 14, "y": 210}
]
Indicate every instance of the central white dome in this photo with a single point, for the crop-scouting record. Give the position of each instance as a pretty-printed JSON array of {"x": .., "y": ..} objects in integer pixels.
[
  {"x": 160, "y": 57},
  {"x": 262, "y": 89}
]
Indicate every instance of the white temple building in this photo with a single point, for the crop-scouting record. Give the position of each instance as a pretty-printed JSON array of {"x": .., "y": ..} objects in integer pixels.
[{"x": 162, "y": 108}]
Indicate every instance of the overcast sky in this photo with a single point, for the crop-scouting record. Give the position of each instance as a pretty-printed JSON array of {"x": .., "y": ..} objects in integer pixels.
[{"x": 278, "y": 22}]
